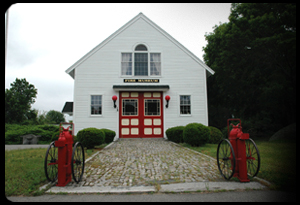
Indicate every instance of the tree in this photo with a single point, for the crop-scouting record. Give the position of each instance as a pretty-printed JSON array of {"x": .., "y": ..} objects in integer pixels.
[
  {"x": 18, "y": 100},
  {"x": 254, "y": 59},
  {"x": 55, "y": 117}
]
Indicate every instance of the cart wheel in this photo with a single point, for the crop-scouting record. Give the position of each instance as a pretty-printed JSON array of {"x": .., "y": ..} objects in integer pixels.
[
  {"x": 253, "y": 158},
  {"x": 226, "y": 159},
  {"x": 51, "y": 163},
  {"x": 78, "y": 162}
]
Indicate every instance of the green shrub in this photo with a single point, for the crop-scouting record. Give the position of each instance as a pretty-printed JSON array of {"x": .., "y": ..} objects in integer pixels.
[
  {"x": 75, "y": 139},
  {"x": 91, "y": 137},
  {"x": 51, "y": 128},
  {"x": 175, "y": 134},
  {"x": 109, "y": 135},
  {"x": 14, "y": 132},
  {"x": 55, "y": 136},
  {"x": 12, "y": 127},
  {"x": 224, "y": 131},
  {"x": 14, "y": 136},
  {"x": 196, "y": 134},
  {"x": 215, "y": 135}
]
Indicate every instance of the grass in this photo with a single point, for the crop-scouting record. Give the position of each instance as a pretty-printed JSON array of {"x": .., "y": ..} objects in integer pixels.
[
  {"x": 208, "y": 149},
  {"x": 24, "y": 170},
  {"x": 278, "y": 161}
]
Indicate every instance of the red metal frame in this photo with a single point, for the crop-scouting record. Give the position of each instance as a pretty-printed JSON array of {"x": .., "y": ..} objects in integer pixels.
[
  {"x": 64, "y": 144},
  {"x": 237, "y": 139}
]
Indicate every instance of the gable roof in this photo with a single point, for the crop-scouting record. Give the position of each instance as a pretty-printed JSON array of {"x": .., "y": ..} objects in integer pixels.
[{"x": 71, "y": 70}]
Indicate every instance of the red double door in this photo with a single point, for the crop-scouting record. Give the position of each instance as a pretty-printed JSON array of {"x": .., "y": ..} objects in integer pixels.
[{"x": 141, "y": 115}]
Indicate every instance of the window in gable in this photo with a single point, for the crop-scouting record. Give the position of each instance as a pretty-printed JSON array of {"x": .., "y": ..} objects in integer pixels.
[
  {"x": 155, "y": 64},
  {"x": 126, "y": 63},
  {"x": 141, "y": 47},
  {"x": 141, "y": 64}
]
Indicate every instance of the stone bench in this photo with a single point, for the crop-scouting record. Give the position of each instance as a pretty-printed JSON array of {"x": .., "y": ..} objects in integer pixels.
[{"x": 30, "y": 139}]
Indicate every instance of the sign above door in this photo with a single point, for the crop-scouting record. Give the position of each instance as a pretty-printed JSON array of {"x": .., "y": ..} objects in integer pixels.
[{"x": 141, "y": 80}]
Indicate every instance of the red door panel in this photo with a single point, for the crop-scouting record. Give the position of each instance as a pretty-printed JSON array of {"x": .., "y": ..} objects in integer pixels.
[{"x": 141, "y": 115}]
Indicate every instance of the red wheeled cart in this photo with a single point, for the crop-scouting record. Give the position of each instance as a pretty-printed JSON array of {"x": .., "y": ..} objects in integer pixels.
[{"x": 239, "y": 156}]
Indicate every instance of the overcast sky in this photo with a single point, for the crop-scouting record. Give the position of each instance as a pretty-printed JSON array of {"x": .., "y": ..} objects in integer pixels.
[{"x": 46, "y": 39}]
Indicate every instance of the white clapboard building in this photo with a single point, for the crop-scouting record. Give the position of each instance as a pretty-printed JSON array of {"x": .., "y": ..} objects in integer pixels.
[{"x": 155, "y": 81}]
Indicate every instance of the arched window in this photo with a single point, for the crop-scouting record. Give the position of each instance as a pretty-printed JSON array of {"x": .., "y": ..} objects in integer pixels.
[
  {"x": 141, "y": 47},
  {"x": 140, "y": 62}
]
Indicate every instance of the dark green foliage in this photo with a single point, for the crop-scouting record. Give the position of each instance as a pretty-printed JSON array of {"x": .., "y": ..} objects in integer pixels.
[
  {"x": 175, "y": 134},
  {"x": 14, "y": 136},
  {"x": 109, "y": 135},
  {"x": 12, "y": 127},
  {"x": 51, "y": 128},
  {"x": 14, "y": 132},
  {"x": 75, "y": 139},
  {"x": 18, "y": 100},
  {"x": 224, "y": 131},
  {"x": 254, "y": 59},
  {"x": 55, "y": 117},
  {"x": 91, "y": 137},
  {"x": 215, "y": 135},
  {"x": 55, "y": 136},
  {"x": 196, "y": 134}
]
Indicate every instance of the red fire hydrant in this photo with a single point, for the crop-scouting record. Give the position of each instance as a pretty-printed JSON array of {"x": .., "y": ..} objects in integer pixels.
[
  {"x": 237, "y": 139},
  {"x": 62, "y": 161},
  {"x": 238, "y": 156},
  {"x": 64, "y": 144}
]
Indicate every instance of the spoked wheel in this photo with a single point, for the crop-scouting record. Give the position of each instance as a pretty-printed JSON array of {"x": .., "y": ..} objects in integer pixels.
[
  {"x": 253, "y": 158},
  {"x": 51, "y": 163},
  {"x": 77, "y": 164},
  {"x": 226, "y": 159}
]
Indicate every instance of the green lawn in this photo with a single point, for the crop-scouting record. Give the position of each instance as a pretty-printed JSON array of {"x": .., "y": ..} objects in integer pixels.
[
  {"x": 278, "y": 161},
  {"x": 24, "y": 171}
]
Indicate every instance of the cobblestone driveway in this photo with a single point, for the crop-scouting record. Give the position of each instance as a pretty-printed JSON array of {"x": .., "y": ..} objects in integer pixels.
[{"x": 133, "y": 162}]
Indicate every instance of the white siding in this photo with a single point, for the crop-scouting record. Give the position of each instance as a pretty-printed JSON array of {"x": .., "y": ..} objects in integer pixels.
[{"x": 97, "y": 74}]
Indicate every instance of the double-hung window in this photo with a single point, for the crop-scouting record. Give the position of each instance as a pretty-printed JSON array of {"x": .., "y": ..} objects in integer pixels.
[
  {"x": 126, "y": 63},
  {"x": 155, "y": 64},
  {"x": 96, "y": 104},
  {"x": 141, "y": 62},
  {"x": 185, "y": 104}
]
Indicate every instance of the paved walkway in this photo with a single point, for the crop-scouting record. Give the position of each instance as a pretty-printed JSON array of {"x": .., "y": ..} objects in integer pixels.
[
  {"x": 239, "y": 196},
  {"x": 25, "y": 146},
  {"x": 136, "y": 162}
]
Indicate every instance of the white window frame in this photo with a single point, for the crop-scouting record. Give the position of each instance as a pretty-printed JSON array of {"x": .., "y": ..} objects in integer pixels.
[
  {"x": 154, "y": 63},
  {"x": 90, "y": 105},
  {"x": 133, "y": 63},
  {"x": 126, "y": 62},
  {"x": 185, "y": 115},
  {"x": 149, "y": 62}
]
